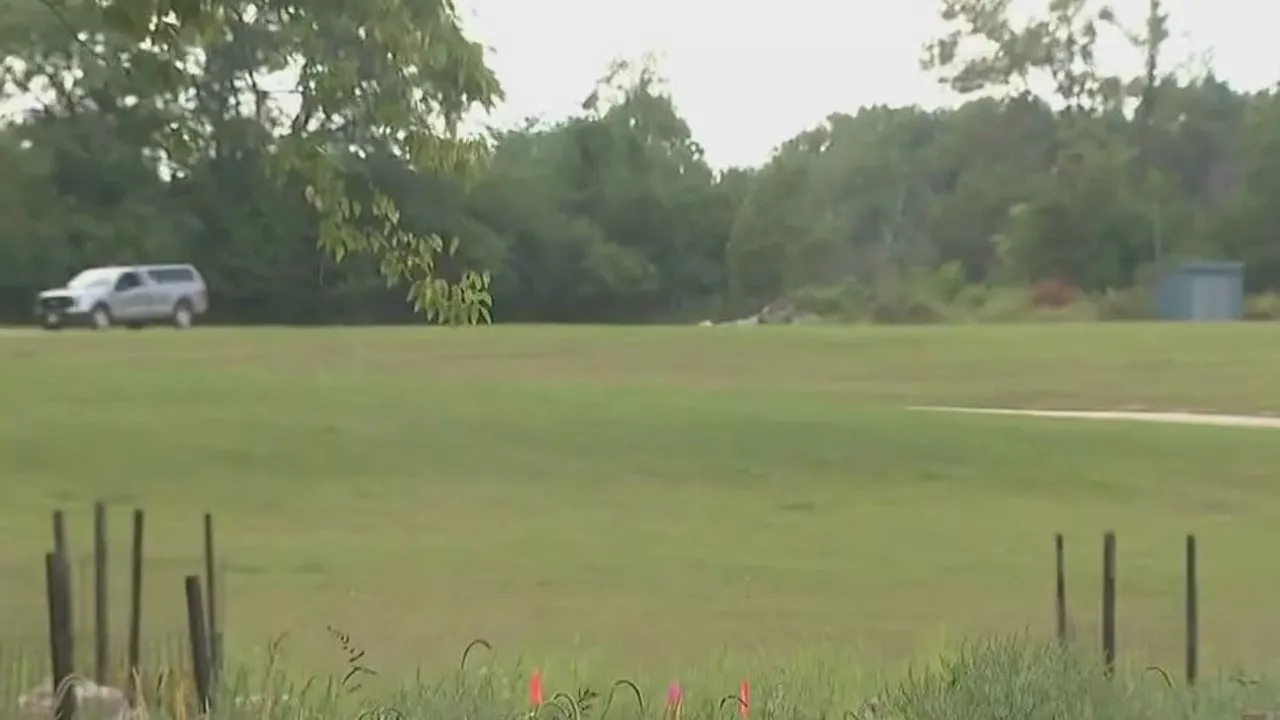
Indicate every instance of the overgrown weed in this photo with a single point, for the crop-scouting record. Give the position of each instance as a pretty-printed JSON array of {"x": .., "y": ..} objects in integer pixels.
[{"x": 1008, "y": 678}]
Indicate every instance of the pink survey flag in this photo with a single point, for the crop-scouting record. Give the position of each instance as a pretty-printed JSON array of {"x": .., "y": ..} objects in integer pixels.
[
  {"x": 535, "y": 689},
  {"x": 675, "y": 698}
]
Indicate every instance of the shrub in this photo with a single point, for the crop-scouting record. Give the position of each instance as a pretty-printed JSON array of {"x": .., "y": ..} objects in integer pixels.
[
  {"x": 1130, "y": 304},
  {"x": 1012, "y": 678},
  {"x": 902, "y": 310},
  {"x": 1054, "y": 293},
  {"x": 972, "y": 297},
  {"x": 1014, "y": 304},
  {"x": 1262, "y": 307},
  {"x": 828, "y": 301}
]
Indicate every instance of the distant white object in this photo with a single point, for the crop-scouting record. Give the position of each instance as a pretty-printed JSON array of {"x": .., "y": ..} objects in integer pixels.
[
  {"x": 1182, "y": 418},
  {"x": 705, "y": 323},
  {"x": 245, "y": 701}
]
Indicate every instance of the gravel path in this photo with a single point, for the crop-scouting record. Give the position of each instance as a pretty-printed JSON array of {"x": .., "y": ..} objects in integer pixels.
[{"x": 1185, "y": 418}]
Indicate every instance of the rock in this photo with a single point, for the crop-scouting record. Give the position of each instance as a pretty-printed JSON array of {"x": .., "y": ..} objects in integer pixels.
[{"x": 93, "y": 701}]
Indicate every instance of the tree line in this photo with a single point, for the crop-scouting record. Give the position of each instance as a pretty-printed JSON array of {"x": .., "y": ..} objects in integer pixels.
[{"x": 306, "y": 156}]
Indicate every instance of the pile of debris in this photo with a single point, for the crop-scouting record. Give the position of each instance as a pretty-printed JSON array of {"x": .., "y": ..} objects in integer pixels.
[{"x": 779, "y": 312}]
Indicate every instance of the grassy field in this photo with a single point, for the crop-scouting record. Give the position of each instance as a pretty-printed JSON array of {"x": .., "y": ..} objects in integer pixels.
[{"x": 654, "y": 499}]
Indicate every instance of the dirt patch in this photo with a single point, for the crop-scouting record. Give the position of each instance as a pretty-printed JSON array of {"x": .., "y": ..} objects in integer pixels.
[{"x": 1184, "y": 418}]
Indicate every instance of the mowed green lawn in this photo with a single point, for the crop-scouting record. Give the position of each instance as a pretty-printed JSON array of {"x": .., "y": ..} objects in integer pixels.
[{"x": 652, "y": 498}]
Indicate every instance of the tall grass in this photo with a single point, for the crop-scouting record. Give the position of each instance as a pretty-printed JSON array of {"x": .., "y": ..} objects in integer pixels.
[{"x": 1003, "y": 678}]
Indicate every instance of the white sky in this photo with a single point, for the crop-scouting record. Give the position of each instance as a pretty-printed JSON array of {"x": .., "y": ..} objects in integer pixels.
[{"x": 748, "y": 74}]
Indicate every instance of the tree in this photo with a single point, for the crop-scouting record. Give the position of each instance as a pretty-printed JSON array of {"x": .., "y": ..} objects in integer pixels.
[
  {"x": 1050, "y": 168},
  {"x": 390, "y": 76},
  {"x": 1083, "y": 222}
]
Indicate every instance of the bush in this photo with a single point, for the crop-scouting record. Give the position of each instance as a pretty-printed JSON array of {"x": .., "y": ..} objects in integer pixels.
[
  {"x": 921, "y": 298},
  {"x": 903, "y": 311},
  {"x": 1054, "y": 293},
  {"x": 829, "y": 301},
  {"x": 972, "y": 297},
  {"x": 906, "y": 300},
  {"x": 1014, "y": 304},
  {"x": 1262, "y": 307},
  {"x": 891, "y": 301},
  {"x": 1012, "y": 678},
  {"x": 1130, "y": 304}
]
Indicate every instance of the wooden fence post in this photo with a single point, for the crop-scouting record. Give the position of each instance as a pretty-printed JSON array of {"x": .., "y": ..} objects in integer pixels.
[
  {"x": 61, "y": 634},
  {"x": 211, "y": 584},
  {"x": 1109, "y": 602},
  {"x": 135, "y": 609},
  {"x": 60, "y": 533},
  {"x": 1060, "y": 590},
  {"x": 199, "y": 644},
  {"x": 102, "y": 656},
  {"x": 1193, "y": 613}
]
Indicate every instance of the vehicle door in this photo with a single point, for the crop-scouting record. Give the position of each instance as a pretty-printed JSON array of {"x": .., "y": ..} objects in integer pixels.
[
  {"x": 128, "y": 298},
  {"x": 156, "y": 292}
]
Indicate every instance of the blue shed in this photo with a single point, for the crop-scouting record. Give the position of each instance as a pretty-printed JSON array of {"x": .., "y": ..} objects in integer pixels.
[{"x": 1202, "y": 291}]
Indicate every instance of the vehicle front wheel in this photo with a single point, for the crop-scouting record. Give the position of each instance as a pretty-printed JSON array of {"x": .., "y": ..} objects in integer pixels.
[
  {"x": 51, "y": 321},
  {"x": 100, "y": 317},
  {"x": 183, "y": 315}
]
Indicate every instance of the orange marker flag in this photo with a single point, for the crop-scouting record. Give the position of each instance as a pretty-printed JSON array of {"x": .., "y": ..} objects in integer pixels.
[
  {"x": 535, "y": 689},
  {"x": 744, "y": 694}
]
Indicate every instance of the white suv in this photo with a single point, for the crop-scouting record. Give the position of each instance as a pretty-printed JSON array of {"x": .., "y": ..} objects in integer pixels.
[{"x": 133, "y": 296}]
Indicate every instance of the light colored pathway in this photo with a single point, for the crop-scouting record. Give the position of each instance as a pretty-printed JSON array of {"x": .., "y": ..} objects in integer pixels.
[{"x": 1185, "y": 418}]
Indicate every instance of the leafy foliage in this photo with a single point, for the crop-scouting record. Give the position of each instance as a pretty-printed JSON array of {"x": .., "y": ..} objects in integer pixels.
[
  {"x": 990, "y": 677},
  {"x": 185, "y": 86},
  {"x": 308, "y": 155}
]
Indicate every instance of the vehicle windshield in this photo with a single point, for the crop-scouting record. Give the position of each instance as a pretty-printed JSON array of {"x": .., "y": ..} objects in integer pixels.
[{"x": 91, "y": 278}]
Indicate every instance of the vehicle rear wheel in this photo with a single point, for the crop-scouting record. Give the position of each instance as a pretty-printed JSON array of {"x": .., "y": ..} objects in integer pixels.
[
  {"x": 182, "y": 315},
  {"x": 100, "y": 317}
]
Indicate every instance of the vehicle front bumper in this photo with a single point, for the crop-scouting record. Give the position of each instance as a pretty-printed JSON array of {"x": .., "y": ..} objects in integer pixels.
[{"x": 63, "y": 317}]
